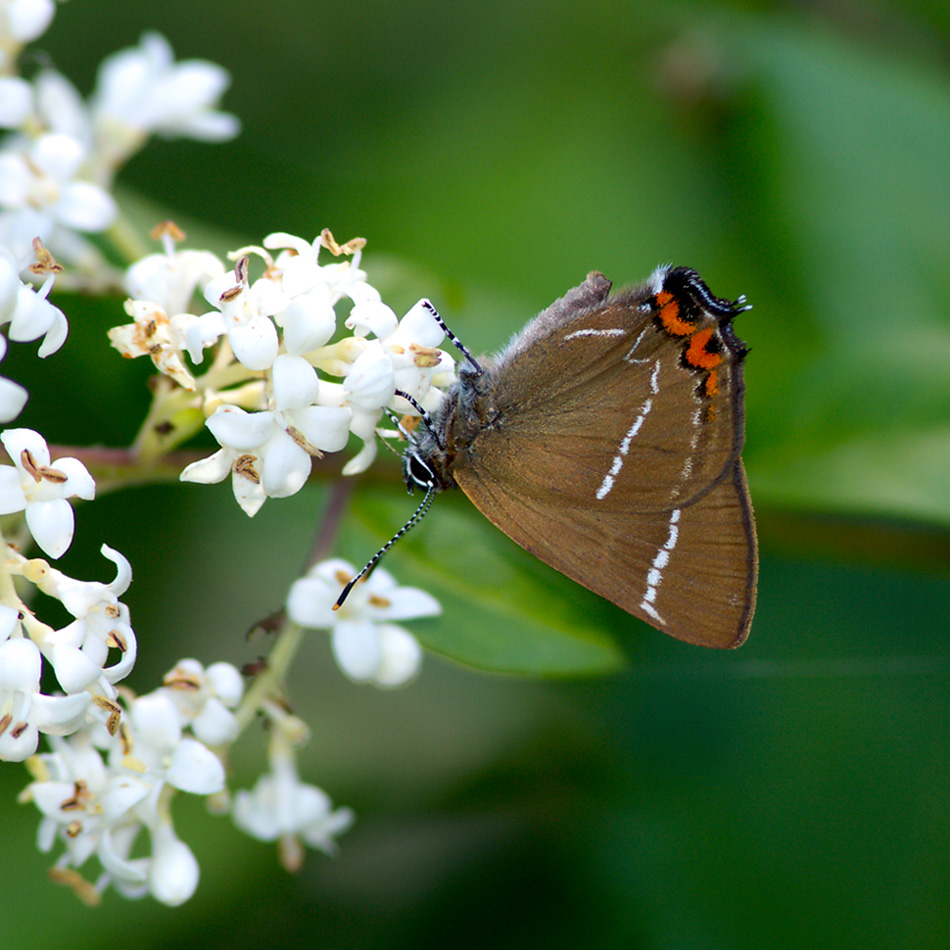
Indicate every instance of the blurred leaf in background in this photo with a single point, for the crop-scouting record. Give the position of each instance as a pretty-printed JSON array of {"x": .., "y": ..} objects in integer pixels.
[{"x": 794, "y": 793}]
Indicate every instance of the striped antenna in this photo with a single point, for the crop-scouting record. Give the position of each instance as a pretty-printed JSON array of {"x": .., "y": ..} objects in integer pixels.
[
  {"x": 426, "y": 418},
  {"x": 374, "y": 560},
  {"x": 401, "y": 429},
  {"x": 456, "y": 342}
]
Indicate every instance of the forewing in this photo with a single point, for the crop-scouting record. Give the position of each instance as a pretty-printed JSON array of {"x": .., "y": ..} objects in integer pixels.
[{"x": 612, "y": 409}]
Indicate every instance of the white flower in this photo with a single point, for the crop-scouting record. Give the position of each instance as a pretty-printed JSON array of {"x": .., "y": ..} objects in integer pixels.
[
  {"x": 99, "y": 804},
  {"x": 27, "y": 310},
  {"x": 244, "y": 469},
  {"x": 42, "y": 489},
  {"x": 273, "y": 450},
  {"x": 144, "y": 90},
  {"x": 36, "y": 317},
  {"x": 302, "y": 273},
  {"x": 170, "y": 873},
  {"x": 24, "y": 710},
  {"x": 79, "y": 651},
  {"x": 417, "y": 361},
  {"x": 154, "y": 335},
  {"x": 244, "y": 314},
  {"x": 170, "y": 279},
  {"x": 366, "y": 645},
  {"x": 42, "y": 197},
  {"x": 204, "y": 698},
  {"x": 281, "y": 807},
  {"x": 92, "y": 807},
  {"x": 81, "y": 800},
  {"x": 161, "y": 753}
]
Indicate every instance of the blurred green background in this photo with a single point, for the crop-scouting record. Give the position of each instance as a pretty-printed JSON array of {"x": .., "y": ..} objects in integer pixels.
[{"x": 795, "y": 793}]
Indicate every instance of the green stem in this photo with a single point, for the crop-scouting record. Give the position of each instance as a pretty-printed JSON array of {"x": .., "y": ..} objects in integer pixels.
[
  {"x": 127, "y": 240},
  {"x": 270, "y": 681}
]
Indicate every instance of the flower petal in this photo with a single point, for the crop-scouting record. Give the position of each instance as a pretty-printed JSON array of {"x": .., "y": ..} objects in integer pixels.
[
  {"x": 11, "y": 494},
  {"x": 357, "y": 649},
  {"x": 16, "y": 441},
  {"x": 326, "y": 427},
  {"x": 13, "y": 398},
  {"x": 195, "y": 768},
  {"x": 215, "y": 724},
  {"x": 240, "y": 430},
  {"x": 295, "y": 382},
  {"x": 371, "y": 382},
  {"x": 309, "y": 321},
  {"x": 215, "y": 468},
  {"x": 16, "y": 101},
  {"x": 401, "y": 656},
  {"x": 52, "y": 524},
  {"x": 310, "y": 602},
  {"x": 85, "y": 207},
  {"x": 286, "y": 467},
  {"x": 60, "y": 715},
  {"x": 74, "y": 670},
  {"x": 255, "y": 344},
  {"x": 20, "y": 665}
]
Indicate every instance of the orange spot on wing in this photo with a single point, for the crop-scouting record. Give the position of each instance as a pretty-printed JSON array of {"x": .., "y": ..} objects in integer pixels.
[
  {"x": 697, "y": 354},
  {"x": 670, "y": 315},
  {"x": 712, "y": 383}
]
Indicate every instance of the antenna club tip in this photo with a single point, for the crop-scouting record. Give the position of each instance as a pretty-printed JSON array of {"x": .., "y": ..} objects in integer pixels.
[{"x": 337, "y": 606}]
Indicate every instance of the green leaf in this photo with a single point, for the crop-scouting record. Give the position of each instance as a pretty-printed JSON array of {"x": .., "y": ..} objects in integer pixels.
[{"x": 849, "y": 391}]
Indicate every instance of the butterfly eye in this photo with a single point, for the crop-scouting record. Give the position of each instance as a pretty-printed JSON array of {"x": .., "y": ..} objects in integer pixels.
[{"x": 418, "y": 472}]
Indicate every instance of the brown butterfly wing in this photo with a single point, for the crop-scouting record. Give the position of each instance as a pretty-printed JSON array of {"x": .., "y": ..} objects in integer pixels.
[
  {"x": 615, "y": 436},
  {"x": 690, "y": 571}
]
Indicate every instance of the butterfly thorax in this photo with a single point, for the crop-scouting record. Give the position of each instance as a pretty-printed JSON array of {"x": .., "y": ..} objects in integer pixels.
[{"x": 466, "y": 410}]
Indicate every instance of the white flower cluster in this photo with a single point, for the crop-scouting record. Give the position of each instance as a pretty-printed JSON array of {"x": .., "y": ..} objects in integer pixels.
[
  {"x": 264, "y": 398},
  {"x": 57, "y": 165},
  {"x": 59, "y": 157},
  {"x": 116, "y": 761},
  {"x": 101, "y": 787}
]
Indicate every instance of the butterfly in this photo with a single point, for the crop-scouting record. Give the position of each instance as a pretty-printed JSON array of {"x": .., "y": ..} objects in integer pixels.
[{"x": 605, "y": 439}]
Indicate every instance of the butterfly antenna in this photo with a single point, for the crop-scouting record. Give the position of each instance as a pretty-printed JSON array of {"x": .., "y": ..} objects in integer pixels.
[
  {"x": 374, "y": 560},
  {"x": 456, "y": 342},
  {"x": 403, "y": 431},
  {"x": 426, "y": 418}
]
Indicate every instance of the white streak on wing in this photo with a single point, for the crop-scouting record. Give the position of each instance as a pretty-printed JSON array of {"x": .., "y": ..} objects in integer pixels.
[
  {"x": 590, "y": 331},
  {"x": 608, "y": 483},
  {"x": 629, "y": 357},
  {"x": 693, "y": 442},
  {"x": 655, "y": 574}
]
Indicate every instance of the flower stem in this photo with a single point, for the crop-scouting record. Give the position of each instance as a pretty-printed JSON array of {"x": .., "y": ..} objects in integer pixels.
[{"x": 271, "y": 680}]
